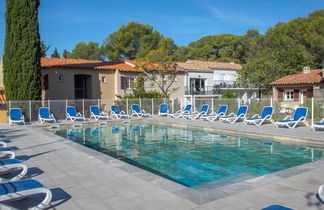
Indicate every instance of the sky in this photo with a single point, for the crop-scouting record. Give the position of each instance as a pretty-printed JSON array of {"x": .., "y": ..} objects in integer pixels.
[{"x": 64, "y": 23}]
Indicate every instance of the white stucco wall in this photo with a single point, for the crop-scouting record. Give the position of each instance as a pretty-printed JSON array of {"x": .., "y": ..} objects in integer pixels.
[
  {"x": 227, "y": 76},
  {"x": 213, "y": 78}
]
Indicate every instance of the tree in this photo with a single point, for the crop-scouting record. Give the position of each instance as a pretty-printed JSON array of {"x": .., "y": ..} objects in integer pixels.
[
  {"x": 89, "y": 51},
  {"x": 66, "y": 54},
  {"x": 159, "y": 68},
  {"x": 55, "y": 53},
  {"x": 44, "y": 48},
  {"x": 22, "y": 51},
  {"x": 131, "y": 41}
]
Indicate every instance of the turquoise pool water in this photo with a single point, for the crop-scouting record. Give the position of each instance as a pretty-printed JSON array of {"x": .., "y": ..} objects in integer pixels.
[{"x": 189, "y": 157}]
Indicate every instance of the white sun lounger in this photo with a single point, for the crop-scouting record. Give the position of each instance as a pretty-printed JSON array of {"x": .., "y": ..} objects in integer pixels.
[
  {"x": 20, "y": 189},
  {"x": 8, "y": 165}
]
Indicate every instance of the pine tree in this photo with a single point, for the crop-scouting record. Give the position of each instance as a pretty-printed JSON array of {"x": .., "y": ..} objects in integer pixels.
[
  {"x": 66, "y": 54},
  {"x": 22, "y": 51},
  {"x": 55, "y": 53}
]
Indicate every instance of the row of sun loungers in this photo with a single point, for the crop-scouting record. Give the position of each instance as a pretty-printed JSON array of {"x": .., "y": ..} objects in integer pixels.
[
  {"x": 299, "y": 117},
  {"x": 14, "y": 186}
]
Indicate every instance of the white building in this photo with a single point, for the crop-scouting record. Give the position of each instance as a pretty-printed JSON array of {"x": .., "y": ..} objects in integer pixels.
[{"x": 205, "y": 78}]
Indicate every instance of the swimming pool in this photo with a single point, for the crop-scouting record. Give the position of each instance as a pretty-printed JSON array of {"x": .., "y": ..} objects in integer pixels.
[{"x": 190, "y": 157}]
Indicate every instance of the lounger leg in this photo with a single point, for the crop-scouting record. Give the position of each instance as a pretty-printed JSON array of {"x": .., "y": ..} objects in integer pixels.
[
  {"x": 11, "y": 153},
  {"x": 46, "y": 201}
]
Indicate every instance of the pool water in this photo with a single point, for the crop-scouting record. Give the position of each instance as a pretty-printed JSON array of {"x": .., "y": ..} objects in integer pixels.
[{"x": 190, "y": 157}]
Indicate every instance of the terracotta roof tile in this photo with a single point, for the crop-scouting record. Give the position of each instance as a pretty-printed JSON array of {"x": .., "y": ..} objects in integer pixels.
[
  {"x": 314, "y": 77},
  {"x": 215, "y": 65},
  {"x": 86, "y": 64},
  {"x": 193, "y": 67},
  {"x": 133, "y": 63}
]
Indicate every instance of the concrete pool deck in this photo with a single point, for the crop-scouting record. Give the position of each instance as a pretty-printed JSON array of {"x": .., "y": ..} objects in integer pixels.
[{"x": 81, "y": 178}]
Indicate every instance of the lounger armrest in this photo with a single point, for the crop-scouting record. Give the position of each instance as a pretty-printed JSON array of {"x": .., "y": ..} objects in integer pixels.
[
  {"x": 52, "y": 116},
  {"x": 23, "y": 117},
  {"x": 241, "y": 115},
  {"x": 288, "y": 118},
  {"x": 79, "y": 114},
  {"x": 122, "y": 112},
  {"x": 232, "y": 114},
  {"x": 256, "y": 116},
  {"x": 143, "y": 111},
  {"x": 178, "y": 112},
  {"x": 322, "y": 120},
  {"x": 212, "y": 113},
  {"x": 103, "y": 113},
  {"x": 192, "y": 112}
]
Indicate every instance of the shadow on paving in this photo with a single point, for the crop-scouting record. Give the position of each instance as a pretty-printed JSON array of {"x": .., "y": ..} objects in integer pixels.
[
  {"x": 314, "y": 200},
  {"x": 59, "y": 197},
  {"x": 39, "y": 145},
  {"x": 27, "y": 157}
]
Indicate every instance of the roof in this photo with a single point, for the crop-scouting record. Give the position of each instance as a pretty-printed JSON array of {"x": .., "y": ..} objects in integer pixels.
[
  {"x": 313, "y": 77},
  {"x": 212, "y": 65},
  {"x": 86, "y": 64},
  {"x": 193, "y": 67},
  {"x": 127, "y": 66},
  {"x": 152, "y": 66}
]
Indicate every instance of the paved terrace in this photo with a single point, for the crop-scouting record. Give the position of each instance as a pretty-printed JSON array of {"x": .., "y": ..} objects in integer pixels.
[{"x": 81, "y": 178}]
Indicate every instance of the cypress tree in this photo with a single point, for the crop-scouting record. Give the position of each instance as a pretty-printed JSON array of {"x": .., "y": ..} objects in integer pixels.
[{"x": 21, "y": 60}]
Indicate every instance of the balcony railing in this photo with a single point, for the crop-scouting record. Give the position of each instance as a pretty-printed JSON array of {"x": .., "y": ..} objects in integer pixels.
[{"x": 217, "y": 89}]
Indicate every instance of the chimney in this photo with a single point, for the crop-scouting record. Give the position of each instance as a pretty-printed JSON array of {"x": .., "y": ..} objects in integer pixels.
[{"x": 306, "y": 70}]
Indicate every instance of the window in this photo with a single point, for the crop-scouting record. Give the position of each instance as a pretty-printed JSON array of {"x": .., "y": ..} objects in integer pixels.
[
  {"x": 45, "y": 82},
  {"x": 289, "y": 95},
  {"x": 60, "y": 78},
  {"x": 126, "y": 82},
  {"x": 103, "y": 79}
]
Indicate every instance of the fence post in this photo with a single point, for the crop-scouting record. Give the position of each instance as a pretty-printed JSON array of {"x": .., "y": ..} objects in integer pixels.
[
  {"x": 98, "y": 102},
  {"x": 126, "y": 105},
  {"x": 152, "y": 106},
  {"x": 66, "y": 103},
  {"x": 238, "y": 102},
  {"x": 30, "y": 112},
  {"x": 83, "y": 107},
  {"x": 140, "y": 103},
  {"x": 172, "y": 105},
  {"x": 271, "y": 102},
  {"x": 312, "y": 111},
  {"x": 212, "y": 104},
  {"x": 9, "y": 105},
  {"x": 49, "y": 104}
]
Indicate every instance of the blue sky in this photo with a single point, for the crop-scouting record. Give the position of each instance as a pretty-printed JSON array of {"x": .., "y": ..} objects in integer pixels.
[{"x": 63, "y": 23}]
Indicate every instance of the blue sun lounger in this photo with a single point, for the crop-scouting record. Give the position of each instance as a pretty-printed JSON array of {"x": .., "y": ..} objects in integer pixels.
[
  {"x": 73, "y": 115},
  {"x": 298, "y": 118},
  {"x": 164, "y": 110},
  {"x": 318, "y": 125},
  {"x": 44, "y": 115},
  {"x": 196, "y": 115},
  {"x": 180, "y": 113},
  {"x": 7, "y": 165},
  {"x": 20, "y": 189},
  {"x": 266, "y": 115},
  {"x": 96, "y": 114},
  {"x": 115, "y": 111},
  {"x": 232, "y": 118},
  {"x": 215, "y": 116},
  {"x": 5, "y": 151},
  {"x": 136, "y": 111},
  {"x": 16, "y": 116}
]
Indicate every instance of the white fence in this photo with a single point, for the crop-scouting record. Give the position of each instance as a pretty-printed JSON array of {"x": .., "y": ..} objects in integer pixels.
[{"x": 57, "y": 107}]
